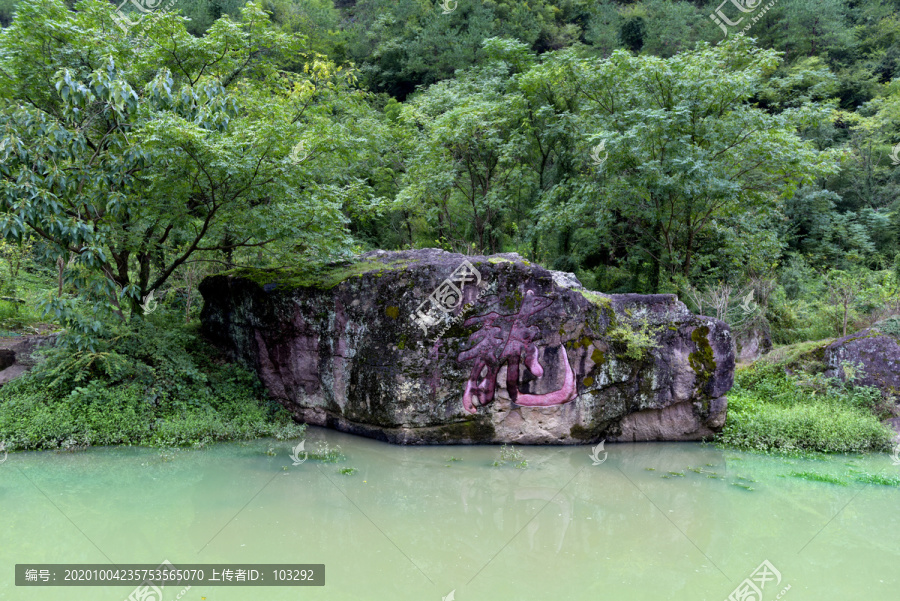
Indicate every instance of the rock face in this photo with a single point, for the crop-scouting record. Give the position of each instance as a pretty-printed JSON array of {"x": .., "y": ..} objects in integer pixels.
[
  {"x": 754, "y": 343},
  {"x": 16, "y": 355},
  {"x": 875, "y": 351},
  {"x": 427, "y": 346}
]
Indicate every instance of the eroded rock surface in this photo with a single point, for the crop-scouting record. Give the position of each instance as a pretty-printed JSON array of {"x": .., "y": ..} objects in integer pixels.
[
  {"x": 516, "y": 353},
  {"x": 753, "y": 343},
  {"x": 874, "y": 356},
  {"x": 16, "y": 355}
]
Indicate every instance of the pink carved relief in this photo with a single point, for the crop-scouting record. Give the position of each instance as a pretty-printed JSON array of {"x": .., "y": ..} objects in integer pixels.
[{"x": 509, "y": 339}]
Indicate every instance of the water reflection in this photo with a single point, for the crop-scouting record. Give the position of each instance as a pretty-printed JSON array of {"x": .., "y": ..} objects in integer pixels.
[
  {"x": 673, "y": 521},
  {"x": 504, "y": 494}
]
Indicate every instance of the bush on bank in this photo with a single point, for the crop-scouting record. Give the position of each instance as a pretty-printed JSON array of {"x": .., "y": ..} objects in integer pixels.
[
  {"x": 155, "y": 382},
  {"x": 770, "y": 410}
]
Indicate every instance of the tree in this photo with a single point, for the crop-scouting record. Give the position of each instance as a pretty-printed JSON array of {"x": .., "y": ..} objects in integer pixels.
[
  {"x": 687, "y": 165},
  {"x": 845, "y": 289},
  {"x": 632, "y": 33},
  {"x": 137, "y": 152},
  {"x": 466, "y": 167}
]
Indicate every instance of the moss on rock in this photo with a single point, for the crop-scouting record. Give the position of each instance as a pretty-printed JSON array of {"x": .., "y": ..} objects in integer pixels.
[
  {"x": 322, "y": 277},
  {"x": 579, "y": 432},
  {"x": 596, "y": 298},
  {"x": 479, "y": 430},
  {"x": 702, "y": 361}
]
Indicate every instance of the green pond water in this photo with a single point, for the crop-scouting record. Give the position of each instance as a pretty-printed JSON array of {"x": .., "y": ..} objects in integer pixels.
[{"x": 412, "y": 524}]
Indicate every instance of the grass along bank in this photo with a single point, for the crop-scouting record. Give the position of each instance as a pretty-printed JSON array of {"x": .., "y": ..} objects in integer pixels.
[
  {"x": 774, "y": 411},
  {"x": 155, "y": 382}
]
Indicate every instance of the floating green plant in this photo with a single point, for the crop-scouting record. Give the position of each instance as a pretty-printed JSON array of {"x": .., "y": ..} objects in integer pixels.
[
  {"x": 868, "y": 478},
  {"x": 814, "y": 477},
  {"x": 326, "y": 453},
  {"x": 510, "y": 454}
]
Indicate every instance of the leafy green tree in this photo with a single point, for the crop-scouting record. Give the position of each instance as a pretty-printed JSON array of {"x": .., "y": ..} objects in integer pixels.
[
  {"x": 202, "y": 13},
  {"x": 403, "y": 44},
  {"x": 673, "y": 27},
  {"x": 138, "y": 152},
  {"x": 845, "y": 289},
  {"x": 603, "y": 27},
  {"x": 466, "y": 168},
  {"x": 632, "y": 33},
  {"x": 318, "y": 20},
  {"x": 815, "y": 229},
  {"x": 807, "y": 28},
  {"x": 682, "y": 163}
]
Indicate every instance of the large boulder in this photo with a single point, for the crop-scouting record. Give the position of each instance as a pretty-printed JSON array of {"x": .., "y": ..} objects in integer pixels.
[
  {"x": 872, "y": 354},
  {"x": 426, "y": 346}
]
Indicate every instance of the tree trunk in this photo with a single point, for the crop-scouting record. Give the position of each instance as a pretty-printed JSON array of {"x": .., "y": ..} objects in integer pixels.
[
  {"x": 846, "y": 310},
  {"x": 655, "y": 266}
]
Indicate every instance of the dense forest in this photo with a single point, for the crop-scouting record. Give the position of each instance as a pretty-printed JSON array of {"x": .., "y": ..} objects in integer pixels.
[{"x": 640, "y": 145}]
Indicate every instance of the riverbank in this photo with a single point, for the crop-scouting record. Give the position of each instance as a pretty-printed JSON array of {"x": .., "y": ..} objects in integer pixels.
[
  {"x": 774, "y": 411},
  {"x": 158, "y": 383},
  {"x": 155, "y": 383}
]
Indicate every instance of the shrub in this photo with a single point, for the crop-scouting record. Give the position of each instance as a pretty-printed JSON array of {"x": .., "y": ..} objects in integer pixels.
[
  {"x": 149, "y": 385},
  {"x": 510, "y": 454},
  {"x": 890, "y": 326},
  {"x": 638, "y": 340},
  {"x": 771, "y": 411}
]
